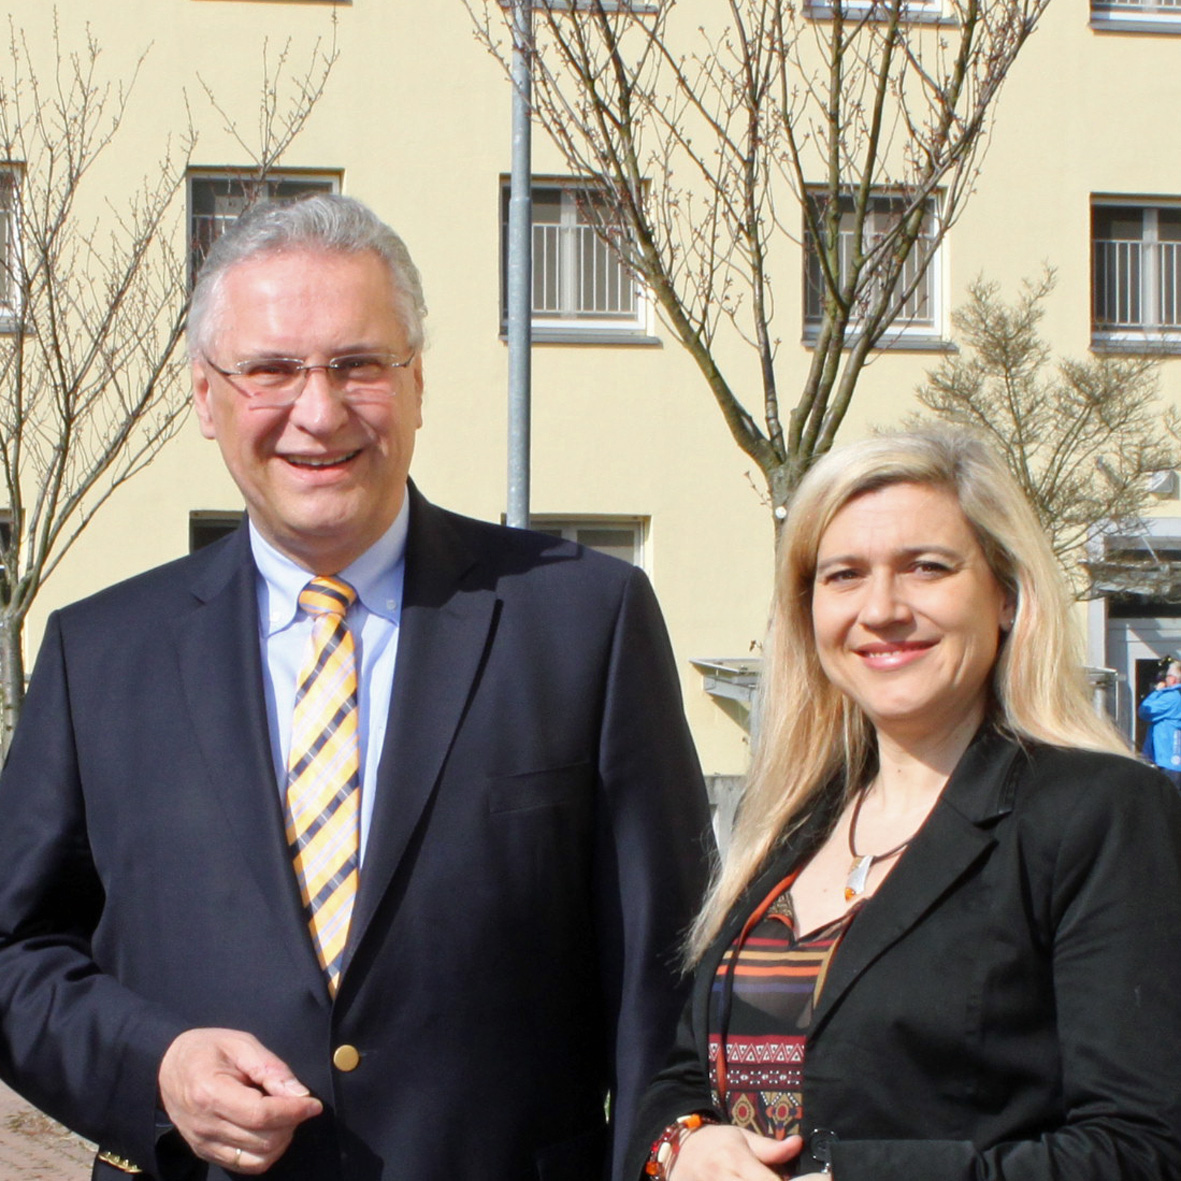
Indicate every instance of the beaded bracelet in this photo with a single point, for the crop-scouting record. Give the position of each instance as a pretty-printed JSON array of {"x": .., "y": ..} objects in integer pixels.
[{"x": 668, "y": 1144}]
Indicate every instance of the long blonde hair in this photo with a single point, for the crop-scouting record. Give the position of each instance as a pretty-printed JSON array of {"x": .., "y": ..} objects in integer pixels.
[{"x": 810, "y": 734}]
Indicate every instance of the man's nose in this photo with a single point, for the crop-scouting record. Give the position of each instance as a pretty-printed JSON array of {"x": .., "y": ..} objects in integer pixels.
[{"x": 320, "y": 407}]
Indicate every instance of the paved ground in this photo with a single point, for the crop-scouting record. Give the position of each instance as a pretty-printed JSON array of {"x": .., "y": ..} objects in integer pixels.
[{"x": 34, "y": 1148}]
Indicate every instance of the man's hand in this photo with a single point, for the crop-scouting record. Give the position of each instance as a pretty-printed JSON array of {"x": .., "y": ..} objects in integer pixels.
[{"x": 234, "y": 1102}]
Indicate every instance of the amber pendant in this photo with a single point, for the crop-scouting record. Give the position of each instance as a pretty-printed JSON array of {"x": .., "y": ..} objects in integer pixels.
[{"x": 858, "y": 874}]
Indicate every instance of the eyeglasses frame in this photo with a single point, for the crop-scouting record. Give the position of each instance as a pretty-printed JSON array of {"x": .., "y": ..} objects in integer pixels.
[{"x": 289, "y": 398}]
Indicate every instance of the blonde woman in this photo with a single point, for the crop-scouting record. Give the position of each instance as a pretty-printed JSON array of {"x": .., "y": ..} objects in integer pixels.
[{"x": 946, "y": 941}]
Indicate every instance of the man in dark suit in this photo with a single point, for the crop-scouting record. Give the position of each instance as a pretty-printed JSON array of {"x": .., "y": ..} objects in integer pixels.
[{"x": 383, "y": 883}]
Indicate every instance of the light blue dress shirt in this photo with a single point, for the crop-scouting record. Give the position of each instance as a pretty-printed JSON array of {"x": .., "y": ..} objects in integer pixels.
[{"x": 377, "y": 577}]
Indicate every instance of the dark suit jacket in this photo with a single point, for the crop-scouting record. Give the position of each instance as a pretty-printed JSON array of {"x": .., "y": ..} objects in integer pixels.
[
  {"x": 536, "y": 850},
  {"x": 1008, "y": 1003}
]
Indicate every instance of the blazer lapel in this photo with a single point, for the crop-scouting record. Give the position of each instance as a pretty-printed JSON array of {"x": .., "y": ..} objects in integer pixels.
[
  {"x": 221, "y": 672},
  {"x": 955, "y": 837},
  {"x": 446, "y": 623}
]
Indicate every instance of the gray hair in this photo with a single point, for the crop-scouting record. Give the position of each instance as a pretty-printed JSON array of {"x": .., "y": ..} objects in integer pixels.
[{"x": 323, "y": 221}]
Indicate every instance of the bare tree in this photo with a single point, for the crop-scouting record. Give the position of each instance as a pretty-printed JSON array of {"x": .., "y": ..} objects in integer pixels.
[
  {"x": 92, "y": 302},
  {"x": 1082, "y": 438},
  {"x": 718, "y": 132}
]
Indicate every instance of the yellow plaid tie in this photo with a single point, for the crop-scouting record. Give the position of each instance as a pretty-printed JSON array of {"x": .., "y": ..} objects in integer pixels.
[{"x": 324, "y": 774}]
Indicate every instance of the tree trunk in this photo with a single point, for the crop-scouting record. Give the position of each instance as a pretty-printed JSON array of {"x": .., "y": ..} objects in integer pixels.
[{"x": 12, "y": 679}]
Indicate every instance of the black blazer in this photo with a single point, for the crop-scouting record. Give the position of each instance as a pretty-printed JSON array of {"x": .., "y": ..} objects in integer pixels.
[
  {"x": 536, "y": 850},
  {"x": 1008, "y": 1003}
]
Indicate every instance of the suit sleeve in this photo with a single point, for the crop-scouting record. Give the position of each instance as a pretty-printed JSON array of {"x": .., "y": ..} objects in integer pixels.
[
  {"x": 652, "y": 853},
  {"x": 75, "y": 1042},
  {"x": 1110, "y": 904}
]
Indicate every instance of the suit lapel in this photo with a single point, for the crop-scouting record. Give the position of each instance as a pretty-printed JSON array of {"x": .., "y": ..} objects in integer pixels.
[
  {"x": 446, "y": 622},
  {"x": 221, "y": 671},
  {"x": 955, "y": 837}
]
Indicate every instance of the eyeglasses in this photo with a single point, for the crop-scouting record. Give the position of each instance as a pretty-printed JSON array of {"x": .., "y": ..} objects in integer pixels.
[{"x": 274, "y": 383}]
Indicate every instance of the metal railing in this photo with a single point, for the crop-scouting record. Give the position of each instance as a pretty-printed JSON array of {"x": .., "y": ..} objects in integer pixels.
[
  {"x": 918, "y": 310},
  {"x": 1137, "y": 285},
  {"x": 208, "y": 227},
  {"x": 9, "y": 252},
  {"x": 576, "y": 275}
]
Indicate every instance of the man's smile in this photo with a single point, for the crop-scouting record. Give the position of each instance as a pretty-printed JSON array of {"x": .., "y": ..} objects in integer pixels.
[{"x": 320, "y": 462}]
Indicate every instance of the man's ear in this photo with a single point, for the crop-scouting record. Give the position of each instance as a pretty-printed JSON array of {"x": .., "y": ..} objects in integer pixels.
[
  {"x": 201, "y": 400},
  {"x": 416, "y": 374}
]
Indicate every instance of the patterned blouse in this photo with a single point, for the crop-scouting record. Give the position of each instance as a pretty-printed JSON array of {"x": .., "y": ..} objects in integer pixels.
[{"x": 762, "y": 1001}]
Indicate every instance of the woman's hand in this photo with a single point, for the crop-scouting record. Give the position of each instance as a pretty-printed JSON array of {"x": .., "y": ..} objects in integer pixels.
[{"x": 720, "y": 1153}]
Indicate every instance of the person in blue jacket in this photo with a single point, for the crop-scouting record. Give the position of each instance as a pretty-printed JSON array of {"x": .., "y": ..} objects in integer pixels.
[{"x": 1161, "y": 709}]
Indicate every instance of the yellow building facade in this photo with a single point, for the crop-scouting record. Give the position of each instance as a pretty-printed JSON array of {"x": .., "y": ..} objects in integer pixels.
[{"x": 629, "y": 450}]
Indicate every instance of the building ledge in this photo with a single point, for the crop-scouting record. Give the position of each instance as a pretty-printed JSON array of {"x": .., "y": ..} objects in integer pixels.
[
  {"x": 1166, "y": 344},
  {"x": 1102, "y": 23},
  {"x": 898, "y": 342},
  {"x": 592, "y": 336},
  {"x": 731, "y": 679}
]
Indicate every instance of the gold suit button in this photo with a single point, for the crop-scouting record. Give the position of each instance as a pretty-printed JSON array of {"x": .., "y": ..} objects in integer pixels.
[{"x": 346, "y": 1058}]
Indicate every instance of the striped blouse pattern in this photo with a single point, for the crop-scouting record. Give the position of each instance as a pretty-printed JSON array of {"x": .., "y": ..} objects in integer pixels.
[{"x": 762, "y": 1001}]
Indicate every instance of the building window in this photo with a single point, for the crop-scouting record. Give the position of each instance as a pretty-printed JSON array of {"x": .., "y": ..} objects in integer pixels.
[
  {"x": 216, "y": 200},
  {"x": 1136, "y": 274},
  {"x": 636, "y": 7},
  {"x": 10, "y": 278},
  {"x": 5, "y": 542},
  {"x": 920, "y": 317},
  {"x": 209, "y": 525},
  {"x": 580, "y": 287},
  {"x": 1149, "y": 16},
  {"x": 621, "y": 537},
  {"x": 916, "y": 11}
]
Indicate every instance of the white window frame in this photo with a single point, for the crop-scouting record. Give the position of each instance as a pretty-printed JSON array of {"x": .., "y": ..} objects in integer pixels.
[
  {"x": 279, "y": 179},
  {"x": 1137, "y": 16},
  {"x": 1149, "y": 267},
  {"x": 635, "y": 7},
  {"x": 914, "y": 329},
  {"x": 10, "y": 248},
  {"x": 916, "y": 12},
  {"x": 560, "y": 251},
  {"x": 575, "y": 527}
]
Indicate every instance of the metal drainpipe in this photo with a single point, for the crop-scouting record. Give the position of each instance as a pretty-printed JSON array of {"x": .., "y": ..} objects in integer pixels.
[{"x": 520, "y": 271}]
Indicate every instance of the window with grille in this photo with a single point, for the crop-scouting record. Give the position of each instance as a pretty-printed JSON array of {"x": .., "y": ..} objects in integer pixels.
[
  {"x": 9, "y": 248},
  {"x": 621, "y": 537},
  {"x": 1136, "y": 272},
  {"x": 921, "y": 312},
  {"x": 209, "y": 525},
  {"x": 917, "y": 11},
  {"x": 580, "y": 283},
  {"x": 5, "y": 542},
  {"x": 636, "y": 7},
  {"x": 217, "y": 199},
  {"x": 1149, "y": 16}
]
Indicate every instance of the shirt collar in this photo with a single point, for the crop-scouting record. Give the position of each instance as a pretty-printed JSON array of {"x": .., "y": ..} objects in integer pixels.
[{"x": 376, "y": 576}]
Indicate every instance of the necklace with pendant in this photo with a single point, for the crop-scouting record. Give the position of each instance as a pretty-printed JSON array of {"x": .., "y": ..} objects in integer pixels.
[{"x": 862, "y": 863}]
